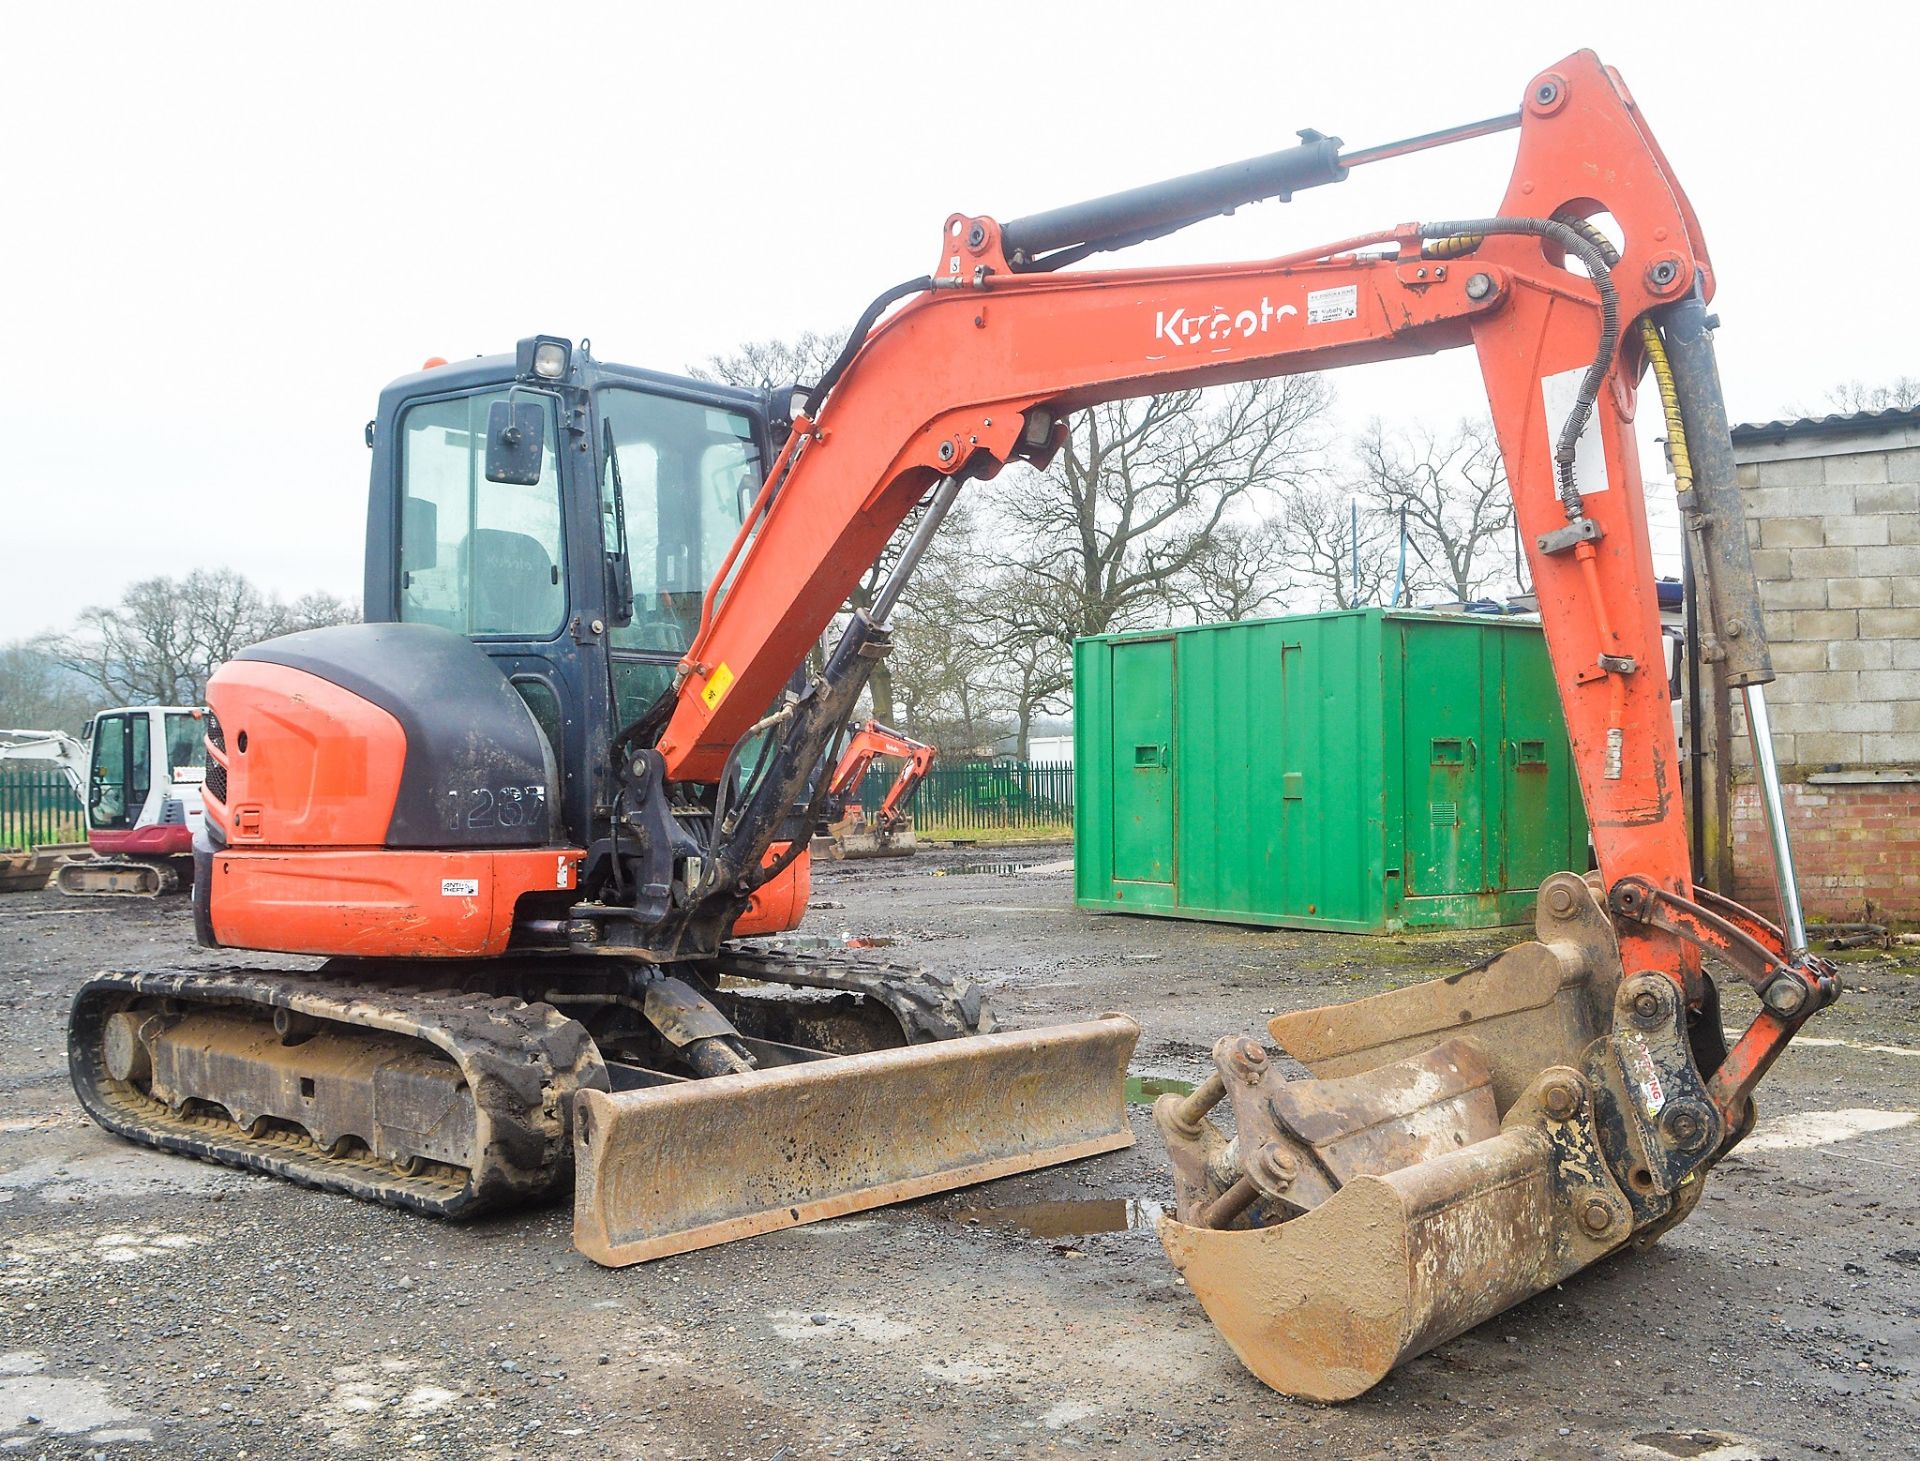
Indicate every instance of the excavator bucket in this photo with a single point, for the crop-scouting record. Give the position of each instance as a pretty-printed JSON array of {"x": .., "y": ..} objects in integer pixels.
[
  {"x": 1447, "y": 1161},
  {"x": 667, "y": 1169},
  {"x": 854, "y": 837}
]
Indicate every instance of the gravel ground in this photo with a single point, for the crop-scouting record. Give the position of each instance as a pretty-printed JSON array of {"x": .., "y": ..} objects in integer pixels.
[{"x": 155, "y": 1306}]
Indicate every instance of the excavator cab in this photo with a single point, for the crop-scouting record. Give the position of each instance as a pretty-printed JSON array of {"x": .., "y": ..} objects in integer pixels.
[{"x": 580, "y": 567}]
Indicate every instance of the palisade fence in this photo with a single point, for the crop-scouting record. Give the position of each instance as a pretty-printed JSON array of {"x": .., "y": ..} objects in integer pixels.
[
  {"x": 969, "y": 796},
  {"x": 37, "y": 808}
]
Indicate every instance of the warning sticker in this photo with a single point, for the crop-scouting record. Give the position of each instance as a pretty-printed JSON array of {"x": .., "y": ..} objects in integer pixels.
[
  {"x": 718, "y": 683},
  {"x": 459, "y": 887},
  {"x": 1324, "y": 306},
  {"x": 1560, "y": 393},
  {"x": 1639, "y": 1063}
]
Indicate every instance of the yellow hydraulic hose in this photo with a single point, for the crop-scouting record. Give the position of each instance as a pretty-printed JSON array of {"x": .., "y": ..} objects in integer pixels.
[{"x": 1677, "y": 457}]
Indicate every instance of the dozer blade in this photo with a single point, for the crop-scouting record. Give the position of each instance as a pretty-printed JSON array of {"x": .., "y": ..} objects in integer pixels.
[
  {"x": 1456, "y": 1154},
  {"x": 852, "y": 838},
  {"x": 669, "y": 1169}
]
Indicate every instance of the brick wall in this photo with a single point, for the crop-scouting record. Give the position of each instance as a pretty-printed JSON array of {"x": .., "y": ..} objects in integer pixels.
[
  {"x": 1856, "y": 848},
  {"x": 1834, "y": 520}
]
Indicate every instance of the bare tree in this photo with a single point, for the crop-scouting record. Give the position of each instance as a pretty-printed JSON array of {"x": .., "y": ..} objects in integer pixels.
[
  {"x": 1902, "y": 393},
  {"x": 164, "y": 639},
  {"x": 37, "y": 692},
  {"x": 1342, "y": 556},
  {"x": 1450, "y": 491},
  {"x": 1138, "y": 498},
  {"x": 1242, "y": 572},
  {"x": 767, "y": 364},
  {"x": 944, "y": 671},
  {"x": 1017, "y": 621}
]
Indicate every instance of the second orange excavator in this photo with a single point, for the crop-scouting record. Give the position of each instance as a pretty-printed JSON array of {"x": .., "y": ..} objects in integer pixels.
[{"x": 848, "y": 832}]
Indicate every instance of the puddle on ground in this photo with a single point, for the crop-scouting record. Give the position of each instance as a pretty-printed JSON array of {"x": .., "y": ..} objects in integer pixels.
[
  {"x": 1144, "y": 1090},
  {"x": 865, "y": 941},
  {"x": 981, "y": 869},
  {"x": 1068, "y": 1219},
  {"x": 1693, "y": 1446}
]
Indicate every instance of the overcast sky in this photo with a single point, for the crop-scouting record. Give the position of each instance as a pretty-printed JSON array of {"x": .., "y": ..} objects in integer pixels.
[{"x": 227, "y": 227}]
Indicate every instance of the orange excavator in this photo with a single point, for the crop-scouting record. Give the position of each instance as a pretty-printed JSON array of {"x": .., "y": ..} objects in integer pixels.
[
  {"x": 534, "y": 808},
  {"x": 847, "y": 831}
]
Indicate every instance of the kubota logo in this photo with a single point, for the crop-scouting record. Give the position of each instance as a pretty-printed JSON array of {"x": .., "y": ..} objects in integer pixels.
[{"x": 1217, "y": 324}]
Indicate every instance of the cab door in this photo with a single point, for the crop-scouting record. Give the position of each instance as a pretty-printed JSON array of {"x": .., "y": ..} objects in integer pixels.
[
  {"x": 120, "y": 771},
  {"x": 494, "y": 561}
]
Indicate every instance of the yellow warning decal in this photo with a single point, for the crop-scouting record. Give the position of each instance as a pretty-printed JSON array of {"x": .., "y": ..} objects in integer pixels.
[{"x": 718, "y": 683}]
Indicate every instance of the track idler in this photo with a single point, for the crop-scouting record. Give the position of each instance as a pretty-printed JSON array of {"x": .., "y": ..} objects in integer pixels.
[{"x": 1465, "y": 1144}]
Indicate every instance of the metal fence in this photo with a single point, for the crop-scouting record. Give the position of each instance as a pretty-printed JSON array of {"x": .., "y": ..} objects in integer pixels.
[
  {"x": 974, "y": 795},
  {"x": 37, "y": 807}
]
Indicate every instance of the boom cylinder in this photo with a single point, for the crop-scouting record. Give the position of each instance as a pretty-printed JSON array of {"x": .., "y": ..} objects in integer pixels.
[
  {"x": 1157, "y": 208},
  {"x": 1733, "y": 631},
  {"x": 1735, "y": 634}
]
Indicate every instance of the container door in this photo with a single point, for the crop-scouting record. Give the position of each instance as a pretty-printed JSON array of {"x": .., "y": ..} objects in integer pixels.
[
  {"x": 1540, "y": 818},
  {"x": 1143, "y": 761},
  {"x": 1447, "y": 750}
]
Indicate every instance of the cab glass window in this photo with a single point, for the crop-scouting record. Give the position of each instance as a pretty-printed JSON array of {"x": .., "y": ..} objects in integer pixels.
[
  {"x": 121, "y": 771},
  {"x": 688, "y": 473},
  {"x": 186, "y": 743},
  {"x": 477, "y": 557}
]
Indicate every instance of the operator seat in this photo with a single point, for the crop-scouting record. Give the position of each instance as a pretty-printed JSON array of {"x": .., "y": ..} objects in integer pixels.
[{"x": 514, "y": 585}]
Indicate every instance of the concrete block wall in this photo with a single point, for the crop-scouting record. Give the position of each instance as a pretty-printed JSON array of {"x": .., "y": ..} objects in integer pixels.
[
  {"x": 1834, "y": 522},
  {"x": 1836, "y": 547}
]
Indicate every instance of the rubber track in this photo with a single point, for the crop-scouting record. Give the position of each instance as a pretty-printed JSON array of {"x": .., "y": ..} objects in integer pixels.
[
  {"x": 927, "y": 1005},
  {"x": 522, "y": 1063}
]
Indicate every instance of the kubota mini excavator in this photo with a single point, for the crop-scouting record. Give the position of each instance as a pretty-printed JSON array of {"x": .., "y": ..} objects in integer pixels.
[
  {"x": 531, "y": 806},
  {"x": 846, "y": 830}
]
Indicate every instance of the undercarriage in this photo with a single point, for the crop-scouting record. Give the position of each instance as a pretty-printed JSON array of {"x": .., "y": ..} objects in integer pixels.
[{"x": 451, "y": 1090}]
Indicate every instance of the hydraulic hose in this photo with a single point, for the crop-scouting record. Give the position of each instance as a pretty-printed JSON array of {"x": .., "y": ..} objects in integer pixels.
[
  {"x": 1585, "y": 243},
  {"x": 1677, "y": 457},
  {"x": 858, "y": 337}
]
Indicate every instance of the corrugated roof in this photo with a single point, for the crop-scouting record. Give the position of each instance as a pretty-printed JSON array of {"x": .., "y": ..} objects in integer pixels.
[{"x": 1854, "y": 423}]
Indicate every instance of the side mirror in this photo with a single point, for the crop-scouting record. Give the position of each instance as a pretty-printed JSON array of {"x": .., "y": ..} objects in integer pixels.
[{"x": 516, "y": 442}]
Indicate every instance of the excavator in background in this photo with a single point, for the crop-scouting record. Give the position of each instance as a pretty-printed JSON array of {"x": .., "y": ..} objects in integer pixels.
[
  {"x": 137, "y": 773},
  {"x": 846, "y": 831},
  {"x": 534, "y": 809}
]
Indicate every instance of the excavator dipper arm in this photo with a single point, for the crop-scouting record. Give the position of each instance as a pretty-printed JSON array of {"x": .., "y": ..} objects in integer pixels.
[{"x": 1582, "y": 1081}]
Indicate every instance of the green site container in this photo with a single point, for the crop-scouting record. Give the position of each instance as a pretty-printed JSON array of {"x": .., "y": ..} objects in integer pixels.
[{"x": 1366, "y": 771}]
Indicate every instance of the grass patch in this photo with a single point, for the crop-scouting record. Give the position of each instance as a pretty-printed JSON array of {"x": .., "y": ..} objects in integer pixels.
[
  {"x": 18, "y": 830},
  {"x": 997, "y": 836}
]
